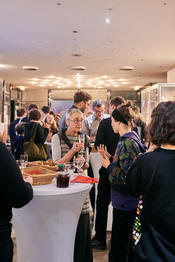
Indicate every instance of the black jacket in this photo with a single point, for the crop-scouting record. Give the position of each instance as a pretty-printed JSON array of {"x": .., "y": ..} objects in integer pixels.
[
  {"x": 14, "y": 192},
  {"x": 152, "y": 175},
  {"x": 106, "y": 136}
]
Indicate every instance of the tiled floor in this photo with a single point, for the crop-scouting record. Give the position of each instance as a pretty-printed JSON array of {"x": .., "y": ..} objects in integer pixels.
[{"x": 99, "y": 256}]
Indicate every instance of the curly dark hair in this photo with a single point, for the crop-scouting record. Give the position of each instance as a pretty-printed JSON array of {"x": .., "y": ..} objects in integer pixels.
[
  {"x": 162, "y": 125},
  {"x": 117, "y": 100},
  {"x": 34, "y": 115},
  {"x": 81, "y": 96}
]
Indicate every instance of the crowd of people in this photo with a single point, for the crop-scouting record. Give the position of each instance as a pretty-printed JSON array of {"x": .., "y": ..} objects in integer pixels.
[{"x": 138, "y": 161}]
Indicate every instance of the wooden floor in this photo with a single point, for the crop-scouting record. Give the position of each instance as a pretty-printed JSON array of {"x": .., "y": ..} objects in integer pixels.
[{"x": 99, "y": 256}]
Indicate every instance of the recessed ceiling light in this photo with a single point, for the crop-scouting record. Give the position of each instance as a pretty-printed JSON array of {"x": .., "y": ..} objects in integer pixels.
[
  {"x": 76, "y": 55},
  {"x": 51, "y": 76},
  {"x": 126, "y": 68},
  {"x": 107, "y": 20},
  {"x": 125, "y": 83},
  {"x": 35, "y": 79},
  {"x": 121, "y": 79},
  {"x": 75, "y": 31},
  {"x": 104, "y": 77},
  {"x": 78, "y": 68},
  {"x": 30, "y": 68}
]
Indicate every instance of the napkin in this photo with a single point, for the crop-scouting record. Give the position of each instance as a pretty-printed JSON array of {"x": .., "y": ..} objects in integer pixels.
[
  {"x": 84, "y": 179},
  {"x": 33, "y": 172}
]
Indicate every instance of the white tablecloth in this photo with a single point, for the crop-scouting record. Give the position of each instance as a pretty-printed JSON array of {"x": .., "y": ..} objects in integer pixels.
[
  {"x": 46, "y": 227},
  {"x": 95, "y": 160}
]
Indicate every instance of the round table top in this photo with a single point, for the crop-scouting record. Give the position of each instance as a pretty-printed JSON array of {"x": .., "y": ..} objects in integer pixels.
[{"x": 51, "y": 189}]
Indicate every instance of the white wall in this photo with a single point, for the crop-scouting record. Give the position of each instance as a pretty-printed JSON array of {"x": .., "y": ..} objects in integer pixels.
[{"x": 171, "y": 76}]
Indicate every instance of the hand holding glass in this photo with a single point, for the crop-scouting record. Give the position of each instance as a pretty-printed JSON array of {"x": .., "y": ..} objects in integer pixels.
[{"x": 78, "y": 162}]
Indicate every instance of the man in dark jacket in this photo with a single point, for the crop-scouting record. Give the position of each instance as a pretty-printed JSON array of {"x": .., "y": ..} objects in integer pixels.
[
  {"x": 21, "y": 114},
  {"x": 106, "y": 136}
]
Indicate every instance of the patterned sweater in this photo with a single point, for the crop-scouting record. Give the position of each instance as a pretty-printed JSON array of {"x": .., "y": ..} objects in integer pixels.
[
  {"x": 59, "y": 149},
  {"x": 128, "y": 148}
]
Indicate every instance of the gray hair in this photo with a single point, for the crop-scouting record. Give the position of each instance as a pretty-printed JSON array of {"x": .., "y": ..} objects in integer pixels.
[
  {"x": 97, "y": 103},
  {"x": 72, "y": 111}
]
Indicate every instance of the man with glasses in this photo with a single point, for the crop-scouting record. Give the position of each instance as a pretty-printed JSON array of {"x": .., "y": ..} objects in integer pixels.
[
  {"x": 92, "y": 122},
  {"x": 90, "y": 128},
  {"x": 81, "y": 102}
]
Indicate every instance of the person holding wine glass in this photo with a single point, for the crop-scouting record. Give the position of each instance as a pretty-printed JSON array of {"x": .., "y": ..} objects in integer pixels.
[{"x": 65, "y": 146}]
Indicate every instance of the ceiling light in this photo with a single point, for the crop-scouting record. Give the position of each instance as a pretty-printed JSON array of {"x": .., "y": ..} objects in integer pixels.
[
  {"x": 76, "y": 55},
  {"x": 126, "y": 68},
  {"x": 4, "y": 66},
  {"x": 51, "y": 76},
  {"x": 33, "y": 83},
  {"x": 78, "y": 68},
  {"x": 30, "y": 68},
  {"x": 104, "y": 77},
  {"x": 35, "y": 79},
  {"x": 121, "y": 79},
  {"x": 125, "y": 83},
  {"x": 78, "y": 80},
  {"x": 107, "y": 20}
]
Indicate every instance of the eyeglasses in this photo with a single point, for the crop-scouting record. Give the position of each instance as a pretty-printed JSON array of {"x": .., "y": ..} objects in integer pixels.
[{"x": 76, "y": 121}]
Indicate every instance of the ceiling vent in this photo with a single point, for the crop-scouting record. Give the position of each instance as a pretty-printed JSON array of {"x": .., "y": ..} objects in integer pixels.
[
  {"x": 126, "y": 68},
  {"x": 30, "y": 68},
  {"x": 78, "y": 68}
]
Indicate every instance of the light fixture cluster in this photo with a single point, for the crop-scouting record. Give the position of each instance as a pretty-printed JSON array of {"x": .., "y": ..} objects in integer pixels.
[
  {"x": 51, "y": 81},
  {"x": 106, "y": 82},
  {"x": 79, "y": 81}
]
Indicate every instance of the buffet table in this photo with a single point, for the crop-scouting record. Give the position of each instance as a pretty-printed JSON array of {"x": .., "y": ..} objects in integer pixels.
[{"x": 46, "y": 227}]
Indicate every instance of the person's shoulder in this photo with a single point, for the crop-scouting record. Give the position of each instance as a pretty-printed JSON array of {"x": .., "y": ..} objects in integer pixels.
[
  {"x": 3, "y": 147},
  {"x": 106, "y": 121},
  {"x": 89, "y": 118},
  {"x": 105, "y": 116},
  {"x": 14, "y": 122}
]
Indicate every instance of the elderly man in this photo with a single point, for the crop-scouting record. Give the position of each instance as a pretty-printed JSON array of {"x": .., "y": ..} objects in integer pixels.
[{"x": 92, "y": 122}]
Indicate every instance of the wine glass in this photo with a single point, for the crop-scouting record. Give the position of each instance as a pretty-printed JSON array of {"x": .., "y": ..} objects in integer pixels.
[
  {"x": 69, "y": 167},
  {"x": 23, "y": 160},
  {"x": 78, "y": 162},
  {"x": 81, "y": 138}
]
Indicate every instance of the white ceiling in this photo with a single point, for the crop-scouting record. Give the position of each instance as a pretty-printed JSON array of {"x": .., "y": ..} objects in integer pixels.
[{"x": 39, "y": 33}]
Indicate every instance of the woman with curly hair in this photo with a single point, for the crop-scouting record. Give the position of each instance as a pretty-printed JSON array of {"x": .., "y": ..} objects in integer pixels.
[{"x": 153, "y": 176}]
